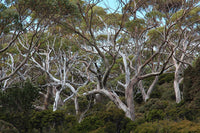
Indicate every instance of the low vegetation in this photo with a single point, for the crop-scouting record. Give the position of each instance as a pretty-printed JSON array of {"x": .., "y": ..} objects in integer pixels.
[{"x": 159, "y": 114}]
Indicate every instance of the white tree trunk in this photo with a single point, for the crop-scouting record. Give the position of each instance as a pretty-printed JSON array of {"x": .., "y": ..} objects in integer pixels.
[
  {"x": 145, "y": 95},
  {"x": 177, "y": 89},
  {"x": 76, "y": 105},
  {"x": 176, "y": 81},
  {"x": 57, "y": 97},
  {"x": 115, "y": 98}
]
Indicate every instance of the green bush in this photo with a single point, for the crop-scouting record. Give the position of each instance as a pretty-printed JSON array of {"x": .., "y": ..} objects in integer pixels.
[
  {"x": 191, "y": 88},
  {"x": 166, "y": 126},
  {"x": 18, "y": 98},
  {"x": 6, "y": 127},
  {"x": 20, "y": 120},
  {"x": 166, "y": 78},
  {"x": 156, "y": 93},
  {"x": 110, "y": 121},
  {"x": 154, "y": 115},
  {"x": 179, "y": 112},
  {"x": 49, "y": 120},
  {"x": 168, "y": 92}
]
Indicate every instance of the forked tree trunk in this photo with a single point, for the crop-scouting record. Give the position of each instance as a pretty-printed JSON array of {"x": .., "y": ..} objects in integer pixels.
[
  {"x": 129, "y": 111},
  {"x": 145, "y": 95}
]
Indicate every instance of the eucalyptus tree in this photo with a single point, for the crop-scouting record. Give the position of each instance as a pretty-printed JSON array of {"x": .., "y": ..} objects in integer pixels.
[
  {"x": 100, "y": 36},
  {"x": 56, "y": 67},
  {"x": 90, "y": 29},
  {"x": 186, "y": 41},
  {"x": 152, "y": 29},
  {"x": 183, "y": 36},
  {"x": 16, "y": 21},
  {"x": 140, "y": 36}
]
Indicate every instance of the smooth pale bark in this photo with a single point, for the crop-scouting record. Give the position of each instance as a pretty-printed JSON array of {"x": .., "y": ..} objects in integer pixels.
[
  {"x": 76, "y": 105},
  {"x": 145, "y": 95},
  {"x": 57, "y": 98},
  {"x": 129, "y": 97},
  {"x": 115, "y": 98},
  {"x": 177, "y": 91},
  {"x": 177, "y": 80},
  {"x": 129, "y": 100}
]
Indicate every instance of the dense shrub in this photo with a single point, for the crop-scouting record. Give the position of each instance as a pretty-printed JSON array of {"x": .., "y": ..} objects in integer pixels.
[
  {"x": 166, "y": 126},
  {"x": 6, "y": 127},
  {"x": 166, "y": 77},
  {"x": 180, "y": 113},
  {"x": 48, "y": 120},
  {"x": 111, "y": 121},
  {"x": 20, "y": 120},
  {"x": 18, "y": 98},
  {"x": 154, "y": 115},
  {"x": 191, "y": 88}
]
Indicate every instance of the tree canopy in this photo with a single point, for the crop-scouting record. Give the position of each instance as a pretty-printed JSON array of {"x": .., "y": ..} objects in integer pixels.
[{"x": 75, "y": 50}]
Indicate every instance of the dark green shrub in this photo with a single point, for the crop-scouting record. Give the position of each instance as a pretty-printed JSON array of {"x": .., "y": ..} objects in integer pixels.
[
  {"x": 191, "y": 88},
  {"x": 49, "y": 120},
  {"x": 156, "y": 93},
  {"x": 165, "y": 78},
  {"x": 166, "y": 126},
  {"x": 138, "y": 98},
  {"x": 185, "y": 126},
  {"x": 146, "y": 128},
  {"x": 154, "y": 115},
  {"x": 149, "y": 104},
  {"x": 180, "y": 112},
  {"x": 19, "y": 120},
  {"x": 18, "y": 98},
  {"x": 6, "y": 127},
  {"x": 111, "y": 121},
  {"x": 168, "y": 93},
  {"x": 160, "y": 104}
]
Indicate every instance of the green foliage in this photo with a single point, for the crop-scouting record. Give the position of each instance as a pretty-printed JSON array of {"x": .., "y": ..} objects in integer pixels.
[
  {"x": 155, "y": 35},
  {"x": 6, "y": 127},
  {"x": 146, "y": 128},
  {"x": 166, "y": 77},
  {"x": 49, "y": 120},
  {"x": 105, "y": 122},
  {"x": 138, "y": 24},
  {"x": 40, "y": 121},
  {"x": 19, "y": 120},
  {"x": 19, "y": 98},
  {"x": 87, "y": 87},
  {"x": 193, "y": 15},
  {"x": 154, "y": 115},
  {"x": 114, "y": 19},
  {"x": 191, "y": 83},
  {"x": 9, "y": 19},
  {"x": 166, "y": 126},
  {"x": 167, "y": 92},
  {"x": 50, "y": 7},
  {"x": 155, "y": 14},
  {"x": 154, "y": 104},
  {"x": 177, "y": 15},
  {"x": 138, "y": 98},
  {"x": 156, "y": 93}
]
